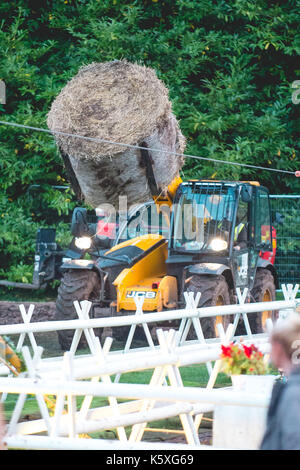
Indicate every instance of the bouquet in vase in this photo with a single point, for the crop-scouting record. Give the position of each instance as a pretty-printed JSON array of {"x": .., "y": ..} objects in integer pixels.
[{"x": 240, "y": 359}]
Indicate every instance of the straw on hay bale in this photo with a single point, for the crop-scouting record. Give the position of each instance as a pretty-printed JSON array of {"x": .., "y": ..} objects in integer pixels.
[{"x": 120, "y": 102}]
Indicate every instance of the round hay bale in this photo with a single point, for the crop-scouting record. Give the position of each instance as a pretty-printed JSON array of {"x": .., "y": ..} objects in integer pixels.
[{"x": 118, "y": 102}]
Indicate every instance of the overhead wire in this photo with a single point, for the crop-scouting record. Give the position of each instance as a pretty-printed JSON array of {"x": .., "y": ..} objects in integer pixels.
[{"x": 139, "y": 147}]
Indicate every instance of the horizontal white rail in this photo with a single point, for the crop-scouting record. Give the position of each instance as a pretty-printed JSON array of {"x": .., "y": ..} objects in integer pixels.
[
  {"x": 148, "y": 361},
  {"x": 128, "y": 320},
  {"x": 103, "y": 416},
  {"x": 132, "y": 391},
  {"x": 66, "y": 443}
]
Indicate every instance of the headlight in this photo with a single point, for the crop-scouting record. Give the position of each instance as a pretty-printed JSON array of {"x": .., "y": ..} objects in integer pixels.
[
  {"x": 218, "y": 244},
  {"x": 83, "y": 243}
]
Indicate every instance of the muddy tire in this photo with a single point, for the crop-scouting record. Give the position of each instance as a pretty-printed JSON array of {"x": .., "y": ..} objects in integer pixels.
[
  {"x": 75, "y": 285},
  {"x": 214, "y": 291},
  {"x": 264, "y": 290}
]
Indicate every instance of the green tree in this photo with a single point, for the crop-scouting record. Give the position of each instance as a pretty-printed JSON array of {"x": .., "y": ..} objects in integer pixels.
[{"x": 229, "y": 66}]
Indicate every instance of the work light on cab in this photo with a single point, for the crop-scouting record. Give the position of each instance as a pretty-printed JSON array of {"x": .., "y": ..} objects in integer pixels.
[
  {"x": 83, "y": 243},
  {"x": 218, "y": 244}
]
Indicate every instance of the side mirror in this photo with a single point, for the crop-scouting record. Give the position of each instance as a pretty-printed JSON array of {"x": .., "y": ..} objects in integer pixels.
[
  {"x": 246, "y": 193},
  {"x": 79, "y": 224}
]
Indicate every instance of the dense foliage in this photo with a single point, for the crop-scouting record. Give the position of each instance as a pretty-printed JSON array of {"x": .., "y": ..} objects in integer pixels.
[{"x": 229, "y": 66}]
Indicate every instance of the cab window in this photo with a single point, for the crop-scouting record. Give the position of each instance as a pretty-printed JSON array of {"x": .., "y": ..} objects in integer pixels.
[{"x": 263, "y": 229}]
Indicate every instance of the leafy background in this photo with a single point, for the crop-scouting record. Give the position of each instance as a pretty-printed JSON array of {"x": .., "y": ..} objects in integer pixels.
[{"x": 229, "y": 67}]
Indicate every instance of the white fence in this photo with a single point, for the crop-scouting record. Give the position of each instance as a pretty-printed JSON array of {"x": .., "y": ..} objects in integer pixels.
[{"x": 97, "y": 375}]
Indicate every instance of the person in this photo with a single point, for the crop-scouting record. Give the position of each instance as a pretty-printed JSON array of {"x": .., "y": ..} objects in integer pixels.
[
  {"x": 297, "y": 173},
  {"x": 240, "y": 236},
  {"x": 240, "y": 229},
  {"x": 283, "y": 418}
]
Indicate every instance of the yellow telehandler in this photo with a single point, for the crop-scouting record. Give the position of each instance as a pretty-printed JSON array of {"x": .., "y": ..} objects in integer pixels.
[{"x": 207, "y": 236}]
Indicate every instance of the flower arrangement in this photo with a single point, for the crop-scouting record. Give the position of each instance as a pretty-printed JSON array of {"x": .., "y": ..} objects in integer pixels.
[{"x": 240, "y": 359}]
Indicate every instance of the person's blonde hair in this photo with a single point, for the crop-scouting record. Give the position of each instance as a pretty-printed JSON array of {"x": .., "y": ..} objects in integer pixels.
[{"x": 287, "y": 332}]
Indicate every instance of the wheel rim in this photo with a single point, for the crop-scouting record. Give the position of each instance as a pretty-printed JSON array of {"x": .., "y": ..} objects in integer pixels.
[{"x": 267, "y": 297}]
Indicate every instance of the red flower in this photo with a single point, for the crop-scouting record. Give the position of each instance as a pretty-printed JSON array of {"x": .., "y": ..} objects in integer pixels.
[
  {"x": 226, "y": 351},
  {"x": 248, "y": 350},
  {"x": 242, "y": 359}
]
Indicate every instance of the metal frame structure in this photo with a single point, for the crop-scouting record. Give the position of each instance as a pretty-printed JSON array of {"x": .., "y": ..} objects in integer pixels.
[
  {"x": 287, "y": 260},
  {"x": 91, "y": 375}
]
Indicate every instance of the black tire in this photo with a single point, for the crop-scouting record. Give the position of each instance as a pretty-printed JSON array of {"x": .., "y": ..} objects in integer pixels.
[
  {"x": 264, "y": 290},
  {"x": 75, "y": 285},
  {"x": 214, "y": 291}
]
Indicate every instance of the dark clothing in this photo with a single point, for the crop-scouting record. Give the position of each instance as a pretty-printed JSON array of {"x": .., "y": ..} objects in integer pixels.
[
  {"x": 283, "y": 419},
  {"x": 242, "y": 238}
]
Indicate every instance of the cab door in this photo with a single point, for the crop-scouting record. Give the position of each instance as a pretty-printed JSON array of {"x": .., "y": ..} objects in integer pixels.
[
  {"x": 242, "y": 253},
  {"x": 259, "y": 230},
  {"x": 262, "y": 220}
]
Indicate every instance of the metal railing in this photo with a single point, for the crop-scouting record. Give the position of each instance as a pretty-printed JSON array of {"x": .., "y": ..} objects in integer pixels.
[
  {"x": 67, "y": 376},
  {"x": 287, "y": 261}
]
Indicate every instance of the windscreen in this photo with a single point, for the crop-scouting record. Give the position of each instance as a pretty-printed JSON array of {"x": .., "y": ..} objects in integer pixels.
[
  {"x": 146, "y": 220},
  {"x": 203, "y": 218}
]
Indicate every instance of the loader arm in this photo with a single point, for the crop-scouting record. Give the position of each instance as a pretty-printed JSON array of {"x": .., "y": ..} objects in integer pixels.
[
  {"x": 160, "y": 197},
  {"x": 168, "y": 196}
]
